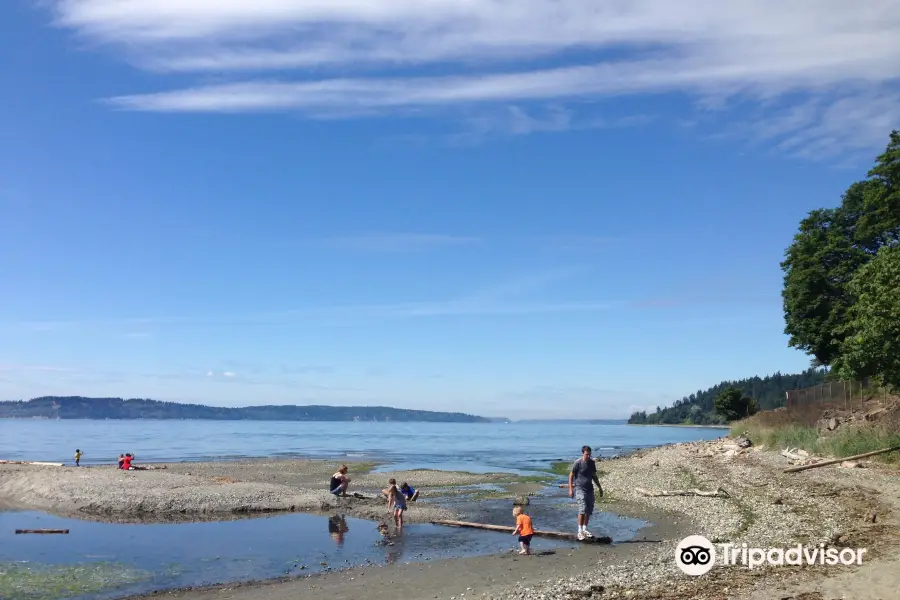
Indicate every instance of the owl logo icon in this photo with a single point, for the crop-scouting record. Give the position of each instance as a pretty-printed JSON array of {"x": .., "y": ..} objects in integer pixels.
[{"x": 695, "y": 555}]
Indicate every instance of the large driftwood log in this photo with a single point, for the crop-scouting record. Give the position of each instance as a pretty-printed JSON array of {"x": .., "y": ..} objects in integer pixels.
[
  {"x": 825, "y": 463},
  {"x": 548, "y": 534},
  {"x": 719, "y": 493},
  {"x": 19, "y": 531}
]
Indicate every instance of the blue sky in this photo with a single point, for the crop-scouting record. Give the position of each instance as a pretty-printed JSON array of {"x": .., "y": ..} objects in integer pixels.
[{"x": 566, "y": 210}]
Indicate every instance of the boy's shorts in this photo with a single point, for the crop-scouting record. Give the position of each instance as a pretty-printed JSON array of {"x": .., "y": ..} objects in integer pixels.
[{"x": 525, "y": 539}]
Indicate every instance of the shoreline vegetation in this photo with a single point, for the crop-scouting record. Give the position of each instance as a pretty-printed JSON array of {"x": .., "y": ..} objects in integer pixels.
[
  {"x": 698, "y": 409},
  {"x": 764, "y": 507},
  {"x": 684, "y": 425},
  {"x": 835, "y": 434}
]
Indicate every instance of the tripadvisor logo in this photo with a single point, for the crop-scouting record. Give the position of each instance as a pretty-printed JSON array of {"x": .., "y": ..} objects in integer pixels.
[{"x": 695, "y": 555}]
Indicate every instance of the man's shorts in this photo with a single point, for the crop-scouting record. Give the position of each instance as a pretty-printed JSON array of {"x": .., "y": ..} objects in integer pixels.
[{"x": 585, "y": 502}]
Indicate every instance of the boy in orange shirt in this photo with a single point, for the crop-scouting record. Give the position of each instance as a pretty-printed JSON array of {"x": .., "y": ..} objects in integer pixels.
[{"x": 524, "y": 529}]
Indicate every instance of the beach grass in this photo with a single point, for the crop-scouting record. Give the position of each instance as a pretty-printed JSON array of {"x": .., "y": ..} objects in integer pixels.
[{"x": 800, "y": 430}]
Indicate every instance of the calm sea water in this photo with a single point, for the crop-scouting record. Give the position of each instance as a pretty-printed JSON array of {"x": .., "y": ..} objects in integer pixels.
[{"x": 481, "y": 447}]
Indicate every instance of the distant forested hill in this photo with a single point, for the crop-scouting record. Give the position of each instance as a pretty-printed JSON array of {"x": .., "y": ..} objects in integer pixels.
[
  {"x": 698, "y": 409},
  {"x": 77, "y": 407}
]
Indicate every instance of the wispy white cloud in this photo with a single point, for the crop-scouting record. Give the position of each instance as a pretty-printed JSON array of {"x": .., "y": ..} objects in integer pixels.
[
  {"x": 822, "y": 127},
  {"x": 503, "y": 297},
  {"x": 398, "y": 242},
  {"x": 342, "y": 58},
  {"x": 190, "y": 375},
  {"x": 536, "y": 293},
  {"x": 513, "y": 119}
]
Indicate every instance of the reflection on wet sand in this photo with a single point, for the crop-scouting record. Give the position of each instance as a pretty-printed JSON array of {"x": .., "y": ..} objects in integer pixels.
[
  {"x": 392, "y": 543},
  {"x": 337, "y": 527}
]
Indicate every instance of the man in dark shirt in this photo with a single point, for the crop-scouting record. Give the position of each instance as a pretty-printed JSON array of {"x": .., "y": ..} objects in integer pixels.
[{"x": 582, "y": 478}]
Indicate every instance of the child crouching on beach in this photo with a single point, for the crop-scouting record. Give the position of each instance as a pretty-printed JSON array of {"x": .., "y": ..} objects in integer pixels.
[
  {"x": 524, "y": 529},
  {"x": 396, "y": 501}
]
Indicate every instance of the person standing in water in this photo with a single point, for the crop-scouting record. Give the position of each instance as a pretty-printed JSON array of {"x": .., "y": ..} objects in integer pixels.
[
  {"x": 582, "y": 478},
  {"x": 396, "y": 502}
]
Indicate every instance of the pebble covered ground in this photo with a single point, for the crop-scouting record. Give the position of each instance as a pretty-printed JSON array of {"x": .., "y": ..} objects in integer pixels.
[{"x": 765, "y": 508}]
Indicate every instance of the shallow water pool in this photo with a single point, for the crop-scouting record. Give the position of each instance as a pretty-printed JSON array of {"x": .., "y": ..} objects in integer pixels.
[{"x": 167, "y": 556}]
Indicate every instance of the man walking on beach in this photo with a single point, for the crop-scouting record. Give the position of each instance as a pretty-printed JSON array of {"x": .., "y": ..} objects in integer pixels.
[{"x": 582, "y": 478}]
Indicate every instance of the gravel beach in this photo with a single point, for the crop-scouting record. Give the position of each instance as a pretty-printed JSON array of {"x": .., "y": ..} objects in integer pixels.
[{"x": 763, "y": 508}]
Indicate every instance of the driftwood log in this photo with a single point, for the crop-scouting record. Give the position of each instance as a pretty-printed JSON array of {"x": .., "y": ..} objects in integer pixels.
[
  {"x": 20, "y": 531},
  {"x": 825, "y": 463},
  {"x": 798, "y": 455},
  {"x": 559, "y": 535},
  {"x": 719, "y": 493}
]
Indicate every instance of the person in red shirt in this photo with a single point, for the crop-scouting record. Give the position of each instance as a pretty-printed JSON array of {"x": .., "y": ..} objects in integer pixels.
[{"x": 126, "y": 462}]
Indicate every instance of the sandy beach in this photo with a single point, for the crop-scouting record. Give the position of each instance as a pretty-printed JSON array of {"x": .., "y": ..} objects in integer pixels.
[
  {"x": 194, "y": 491},
  {"x": 762, "y": 507}
]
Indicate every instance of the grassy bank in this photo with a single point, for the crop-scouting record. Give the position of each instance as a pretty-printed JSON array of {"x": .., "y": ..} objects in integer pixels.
[{"x": 777, "y": 430}]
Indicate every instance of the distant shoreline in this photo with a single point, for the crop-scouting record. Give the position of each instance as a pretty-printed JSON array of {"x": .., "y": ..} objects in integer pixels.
[{"x": 677, "y": 425}]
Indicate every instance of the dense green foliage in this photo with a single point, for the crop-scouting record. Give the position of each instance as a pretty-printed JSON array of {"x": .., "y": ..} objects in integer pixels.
[
  {"x": 732, "y": 404},
  {"x": 874, "y": 346},
  {"x": 837, "y": 276},
  {"x": 77, "y": 407},
  {"x": 699, "y": 408}
]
